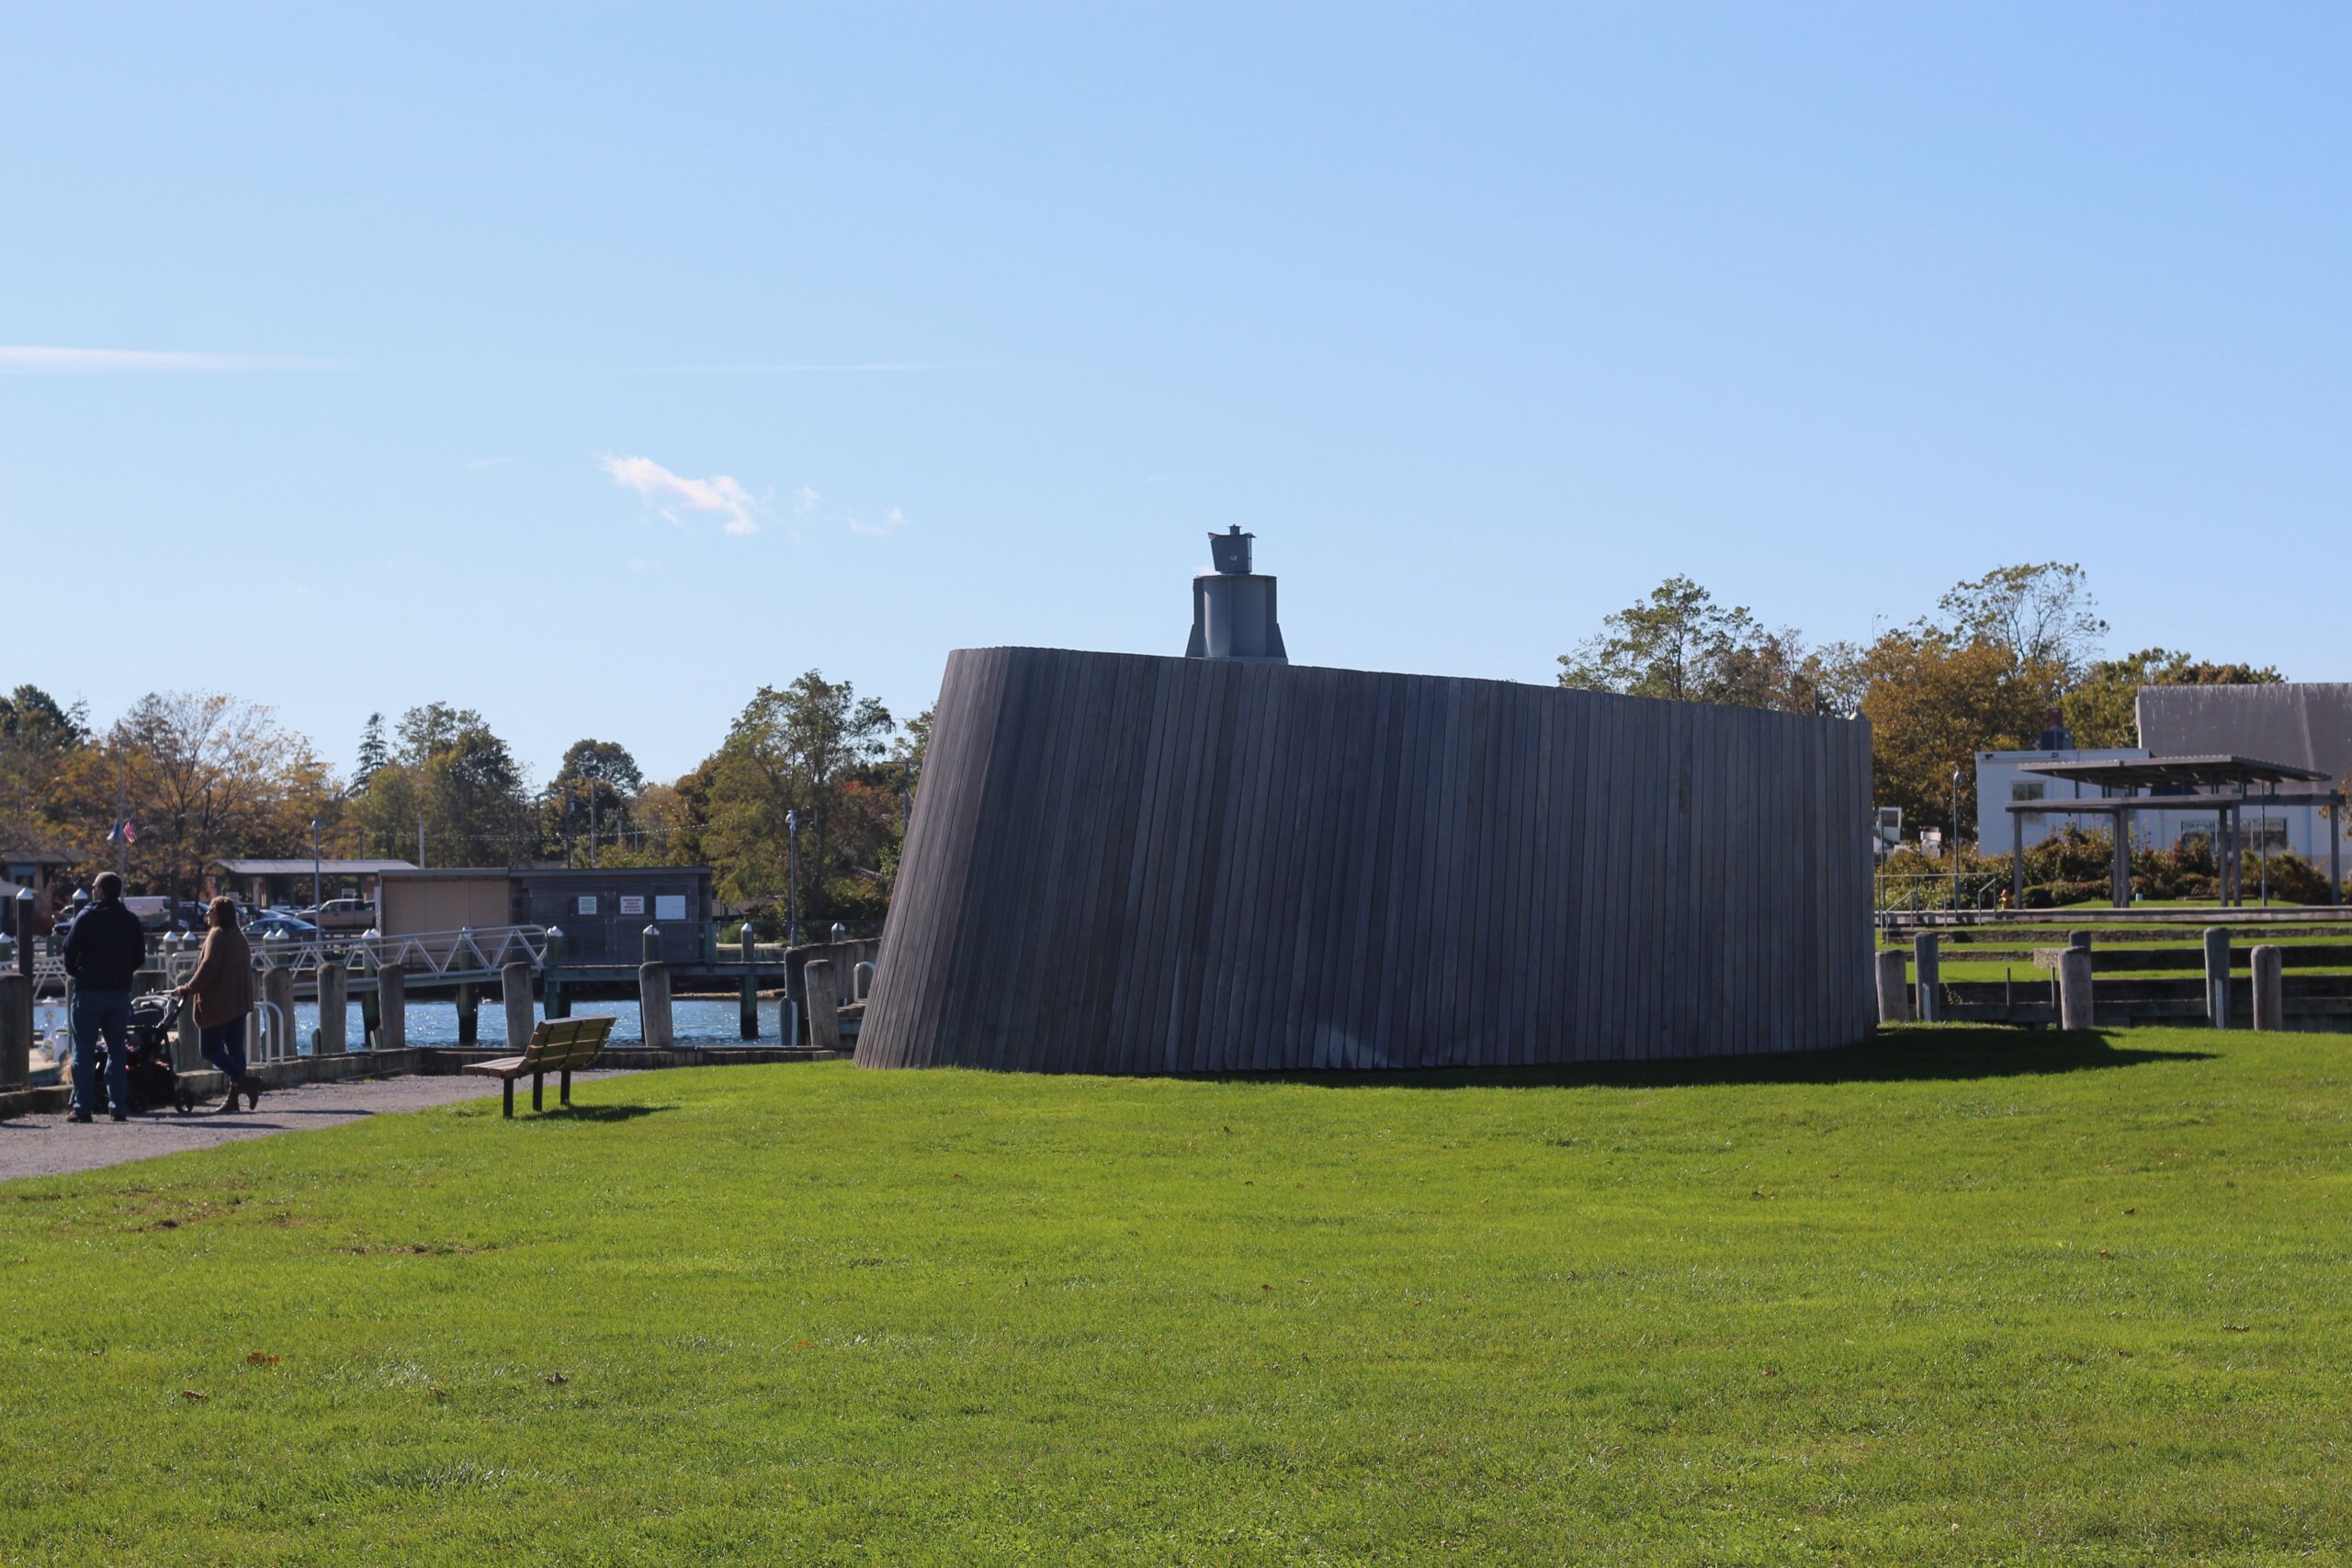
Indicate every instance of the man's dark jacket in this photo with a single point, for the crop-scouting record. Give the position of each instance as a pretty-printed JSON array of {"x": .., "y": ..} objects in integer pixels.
[{"x": 106, "y": 947}]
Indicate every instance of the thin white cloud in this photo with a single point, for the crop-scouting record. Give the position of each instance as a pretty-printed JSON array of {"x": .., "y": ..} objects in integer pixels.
[
  {"x": 489, "y": 462},
  {"x": 719, "y": 494},
  {"x": 892, "y": 521},
  {"x": 30, "y": 358},
  {"x": 805, "y": 499},
  {"x": 879, "y": 367}
]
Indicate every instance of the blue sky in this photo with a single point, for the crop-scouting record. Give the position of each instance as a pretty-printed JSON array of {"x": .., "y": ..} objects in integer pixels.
[{"x": 590, "y": 366}]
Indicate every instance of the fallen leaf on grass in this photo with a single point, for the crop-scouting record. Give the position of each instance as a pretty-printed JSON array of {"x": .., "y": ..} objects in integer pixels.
[
  {"x": 258, "y": 1360},
  {"x": 557, "y": 1378},
  {"x": 1771, "y": 1371},
  {"x": 2237, "y": 1328},
  {"x": 2131, "y": 1210},
  {"x": 2125, "y": 1354},
  {"x": 191, "y": 1394},
  {"x": 2105, "y": 1252}
]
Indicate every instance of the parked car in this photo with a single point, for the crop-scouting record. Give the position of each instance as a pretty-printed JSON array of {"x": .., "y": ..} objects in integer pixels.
[
  {"x": 154, "y": 910},
  {"x": 344, "y": 916},
  {"x": 276, "y": 925}
]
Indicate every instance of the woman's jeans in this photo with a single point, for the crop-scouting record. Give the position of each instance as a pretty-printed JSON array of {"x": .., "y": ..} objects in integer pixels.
[
  {"x": 223, "y": 1045},
  {"x": 96, "y": 1014}
]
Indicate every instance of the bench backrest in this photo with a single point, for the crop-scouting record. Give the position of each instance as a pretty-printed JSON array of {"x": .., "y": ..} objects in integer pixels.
[{"x": 566, "y": 1044}]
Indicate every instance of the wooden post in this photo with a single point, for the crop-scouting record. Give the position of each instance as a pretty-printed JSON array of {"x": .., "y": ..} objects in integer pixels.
[
  {"x": 824, "y": 1004},
  {"x": 16, "y": 1030},
  {"x": 862, "y": 981},
  {"x": 2017, "y": 860},
  {"x": 1893, "y": 992},
  {"x": 787, "y": 1019},
  {"x": 747, "y": 1023},
  {"x": 2074, "y": 988},
  {"x": 391, "y": 1007},
  {"x": 514, "y": 991},
  {"x": 371, "y": 1008},
  {"x": 2269, "y": 987},
  {"x": 2217, "y": 977},
  {"x": 278, "y": 988},
  {"x": 653, "y": 1005},
  {"x": 554, "y": 1003},
  {"x": 468, "y": 1014},
  {"x": 334, "y": 1008},
  {"x": 1930, "y": 972},
  {"x": 2120, "y": 869}
]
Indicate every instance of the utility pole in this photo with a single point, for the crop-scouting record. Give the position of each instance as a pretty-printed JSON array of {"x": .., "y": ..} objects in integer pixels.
[
  {"x": 1954, "y": 850},
  {"x": 420, "y": 840},
  {"x": 317, "y": 898},
  {"x": 595, "y": 828},
  {"x": 792, "y": 831}
]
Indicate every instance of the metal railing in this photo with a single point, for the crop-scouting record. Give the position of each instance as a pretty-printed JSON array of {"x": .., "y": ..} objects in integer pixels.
[
  {"x": 472, "y": 953},
  {"x": 1895, "y": 893}
]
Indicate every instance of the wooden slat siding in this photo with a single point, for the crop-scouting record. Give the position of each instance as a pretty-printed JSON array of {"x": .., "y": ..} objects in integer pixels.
[
  {"x": 1275, "y": 867},
  {"x": 1010, "y": 857},
  {"x": 1357, "y": 751},
  {"x": 1027, "y": 986},
  {"x": 908, "y": 952},
  {"x": 1582, "y": 799},
  {"x": 1517, "y": 843},
  {"x": 1739, "y": 868},
  {"x": 1105, "y": 803},
  {"x": 1147, "y": 1050},
  {"x": 1309, "y": 921},
  {"x": 1131, "y": 1003},
  {"x": 1250, "y": 1020},
  {"x": 1182, "y": 848},
  {"x": 1568, "y": 957},
  {"x": 1202, "y": 853},
  {"x": 1441, "y": 953}
]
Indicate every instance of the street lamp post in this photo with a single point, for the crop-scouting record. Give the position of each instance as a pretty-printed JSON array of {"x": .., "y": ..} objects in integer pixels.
[
  {"x": 792, "y": 831},
  {"x": 317, "y": 898},
  {"x": 1954, "y": 849}
]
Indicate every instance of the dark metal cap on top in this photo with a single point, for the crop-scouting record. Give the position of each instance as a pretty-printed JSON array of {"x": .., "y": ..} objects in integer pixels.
[{"x": 1230, "y": 552}]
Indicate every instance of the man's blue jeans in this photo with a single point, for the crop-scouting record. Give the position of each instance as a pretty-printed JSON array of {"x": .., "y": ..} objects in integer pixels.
[{"x": 99, "y": 1014}]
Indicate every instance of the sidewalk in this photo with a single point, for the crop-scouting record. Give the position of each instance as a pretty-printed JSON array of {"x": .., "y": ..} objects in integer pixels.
[{"x": 47, "y": 1144}]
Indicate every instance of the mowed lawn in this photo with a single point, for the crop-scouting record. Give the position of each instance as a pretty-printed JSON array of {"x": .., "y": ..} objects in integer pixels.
[{"x": 1960, "y": 1296}]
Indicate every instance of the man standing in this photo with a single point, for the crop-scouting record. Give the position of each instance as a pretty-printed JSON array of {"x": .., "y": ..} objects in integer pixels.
[{"x": 103, "y": 952}]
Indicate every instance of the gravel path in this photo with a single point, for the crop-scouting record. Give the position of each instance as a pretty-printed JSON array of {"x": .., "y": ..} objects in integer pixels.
[{"x": 50, "y": 1146}]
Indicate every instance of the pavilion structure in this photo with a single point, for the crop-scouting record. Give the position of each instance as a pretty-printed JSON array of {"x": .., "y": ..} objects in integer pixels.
[{"x": 2224, "y": 785}]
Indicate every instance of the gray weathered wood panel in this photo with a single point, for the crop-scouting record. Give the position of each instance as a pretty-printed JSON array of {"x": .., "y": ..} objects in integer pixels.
[{"x": 1121, "y": 863}]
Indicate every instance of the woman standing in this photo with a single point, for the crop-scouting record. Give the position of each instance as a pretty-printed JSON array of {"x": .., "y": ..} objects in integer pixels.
[{"x": 222, "y": 990}]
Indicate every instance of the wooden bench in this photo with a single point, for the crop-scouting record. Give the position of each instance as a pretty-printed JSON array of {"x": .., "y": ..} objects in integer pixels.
[{"x": 561, "y": 1045}]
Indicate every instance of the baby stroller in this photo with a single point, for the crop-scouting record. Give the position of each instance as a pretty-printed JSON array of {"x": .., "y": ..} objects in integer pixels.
[{"x": 147, "y": 1058}]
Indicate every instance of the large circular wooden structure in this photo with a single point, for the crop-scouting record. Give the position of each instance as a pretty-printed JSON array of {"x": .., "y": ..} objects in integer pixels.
[{"x": 1121, "y": 863}]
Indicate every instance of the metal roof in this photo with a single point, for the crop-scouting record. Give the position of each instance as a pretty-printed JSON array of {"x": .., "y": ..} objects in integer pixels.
[
  {"x": 304, "y": 866},
  {"x": 2307, "y": 723},
  {"x": 2206, "y": 772}
]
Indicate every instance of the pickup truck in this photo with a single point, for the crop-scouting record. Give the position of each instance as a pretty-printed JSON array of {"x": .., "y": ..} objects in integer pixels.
[{"x": 343, "y": 916}]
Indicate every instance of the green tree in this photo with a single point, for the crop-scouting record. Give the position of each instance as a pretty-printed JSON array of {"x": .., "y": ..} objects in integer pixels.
[
  {"x": 450, "y": 772},
  {"x": 795, "y": 749},
  {"x": 593, "y": 794},
  {"x": 2103, "y": 708},
  {"x": 2043, "y": 616},
  {"x": 1680, "y": 646}
]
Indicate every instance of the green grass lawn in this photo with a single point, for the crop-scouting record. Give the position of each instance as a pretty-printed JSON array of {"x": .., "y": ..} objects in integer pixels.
[{"x": 1962, "y": 1296}]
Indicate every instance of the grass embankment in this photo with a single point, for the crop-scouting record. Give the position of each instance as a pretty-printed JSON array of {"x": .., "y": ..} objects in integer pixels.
[{"x": 1965, "y": 1296}]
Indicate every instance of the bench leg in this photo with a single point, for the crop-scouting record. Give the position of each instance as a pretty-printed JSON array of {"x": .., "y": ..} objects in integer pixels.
[
  {"x": 538, "y": 1082},
  {"x": 567, "y": 1086},
  {"x": 510, "y": 1100}
]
